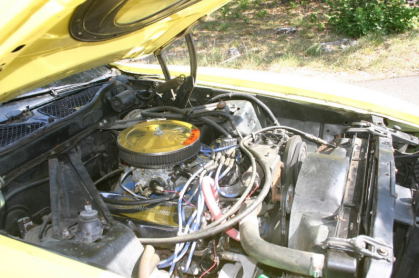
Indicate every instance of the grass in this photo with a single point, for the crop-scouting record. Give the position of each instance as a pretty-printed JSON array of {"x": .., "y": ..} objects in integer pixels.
[{"x": 249, "y": 26}]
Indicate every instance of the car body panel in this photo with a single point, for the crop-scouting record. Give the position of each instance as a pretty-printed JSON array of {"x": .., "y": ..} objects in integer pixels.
[
  {"x": 36, "y": 47},
  {"x": 19, "y": 259}
]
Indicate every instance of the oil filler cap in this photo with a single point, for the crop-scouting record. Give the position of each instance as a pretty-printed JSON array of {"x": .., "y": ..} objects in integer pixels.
[{"x": 158, "y": 143}]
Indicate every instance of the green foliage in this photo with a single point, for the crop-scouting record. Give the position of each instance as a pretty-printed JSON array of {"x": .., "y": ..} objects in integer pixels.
[
  {"x": 223, "y": 26},
  {"x": 294, "y": 4},
  {"x": 262, "y": 13},
  {"x": 314, "y": 50},
  {"x": 243, "y": 4},
  {"x": 236, "y": 9},
  {"x": 357, "y": 18}
]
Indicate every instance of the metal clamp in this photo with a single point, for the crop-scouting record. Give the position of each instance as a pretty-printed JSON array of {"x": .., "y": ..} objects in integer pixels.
[
  {"x": 363, "y": 246},
  {"x": 383, "y": 131}
]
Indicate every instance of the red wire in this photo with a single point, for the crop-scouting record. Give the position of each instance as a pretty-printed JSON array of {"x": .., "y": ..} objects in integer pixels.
[
  {"x": 213, "y": 265},
  {"x": 187, "y": 202},
  {"x": 184, "y": 199},
  {"x": 209, "y": 269},
  {"x": 253, "y": 191}
]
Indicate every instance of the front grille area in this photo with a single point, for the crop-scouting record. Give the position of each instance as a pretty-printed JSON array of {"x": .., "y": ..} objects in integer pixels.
[
  {"x": 68, "y": 105},
  {"x": 13, "y": 132}
]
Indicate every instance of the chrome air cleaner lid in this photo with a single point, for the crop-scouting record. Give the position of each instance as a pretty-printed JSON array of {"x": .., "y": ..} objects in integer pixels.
[{"x": 158, "y": 143}]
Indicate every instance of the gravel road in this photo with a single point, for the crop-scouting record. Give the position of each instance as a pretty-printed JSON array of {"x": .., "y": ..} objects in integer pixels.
[{"x": 406, "y": 88}]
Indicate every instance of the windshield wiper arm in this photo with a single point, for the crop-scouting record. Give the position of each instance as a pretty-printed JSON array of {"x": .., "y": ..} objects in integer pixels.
[{"x": 57, "y": 90}]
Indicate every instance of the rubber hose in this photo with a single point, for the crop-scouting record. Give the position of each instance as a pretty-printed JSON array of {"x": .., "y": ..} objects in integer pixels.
[
  {"x": 22, "y": 188},
  {"x": 181, "y": 113},
  {"x": 211, "y": 202},
  {"x": 216, "y": 126},
  {"x": 130, "y": 208},
  {"x": 134, "y": 202},
  {"x": 162, "y": 115},
  {"x": 185, "y": 112},
  {"x": 165, "y": 108},
  {"x": 293, "y": 260},
  {"x": 108, "y": 175},
  {"x": 214, "y": 113},
  {"x": 208, "y": 232},
  {"x": 252, "y": 99},
  {"x": 243, "y": 197}
]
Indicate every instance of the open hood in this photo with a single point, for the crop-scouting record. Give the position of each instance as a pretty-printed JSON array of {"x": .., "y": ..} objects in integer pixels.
[{"x": 45, "y": 40}]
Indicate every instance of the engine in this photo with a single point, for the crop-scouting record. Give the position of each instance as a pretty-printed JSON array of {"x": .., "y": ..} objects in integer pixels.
[
  {"x": 222, "y": 187},
  {"x": 176, "y": 180},
  {"x": 156, "y": 157}
]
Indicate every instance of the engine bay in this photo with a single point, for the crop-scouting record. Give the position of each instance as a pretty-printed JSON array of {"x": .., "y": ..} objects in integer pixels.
[{"x": 118, "y": 174}]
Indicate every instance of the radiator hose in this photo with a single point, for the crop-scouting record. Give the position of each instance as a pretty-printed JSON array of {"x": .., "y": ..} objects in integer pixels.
[{"x": 293, "y": 260}]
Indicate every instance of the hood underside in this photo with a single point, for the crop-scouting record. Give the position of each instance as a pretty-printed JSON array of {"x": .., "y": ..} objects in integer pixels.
[{"x": 45, "y": 40}]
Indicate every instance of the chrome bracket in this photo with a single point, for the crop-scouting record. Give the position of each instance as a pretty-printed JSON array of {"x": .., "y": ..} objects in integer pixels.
[{"x": 362, "y": 245}]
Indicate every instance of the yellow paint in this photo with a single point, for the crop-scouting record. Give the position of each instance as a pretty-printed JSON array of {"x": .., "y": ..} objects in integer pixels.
[
  {"x": 49, "y": 53},
  {"x": 18, "y": 259},
  {"x": 391, "y": 108},
  {"x": 163, "y": 215},
  {"x": 134, "y": 10},
  {"x": 158, "y": 136}
]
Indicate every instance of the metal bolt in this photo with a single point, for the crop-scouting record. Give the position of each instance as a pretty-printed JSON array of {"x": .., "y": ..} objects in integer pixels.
[
  {"x": 66, "y": 233},
  {"x": 221, "y": 105},
  {"x": 382, "y": 251}
]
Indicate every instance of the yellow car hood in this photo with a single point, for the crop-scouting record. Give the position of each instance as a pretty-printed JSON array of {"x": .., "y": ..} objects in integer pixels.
[{"x": 45, "y": 40}]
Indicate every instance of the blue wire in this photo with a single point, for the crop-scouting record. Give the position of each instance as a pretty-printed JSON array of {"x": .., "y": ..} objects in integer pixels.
[
  {"x": 217, "y": 149},
  {"x": 227, "y": 195},
  {"x": 181, "y": 211},
  {"x": 195, "y": 221},
  {"x": 224, "y": 148},
  {"x": 167, "y": 262},
  {"x": 173, "y": 259},
  {"x": 196, "y": 224},
  {"x": 201, "y": 204}
]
